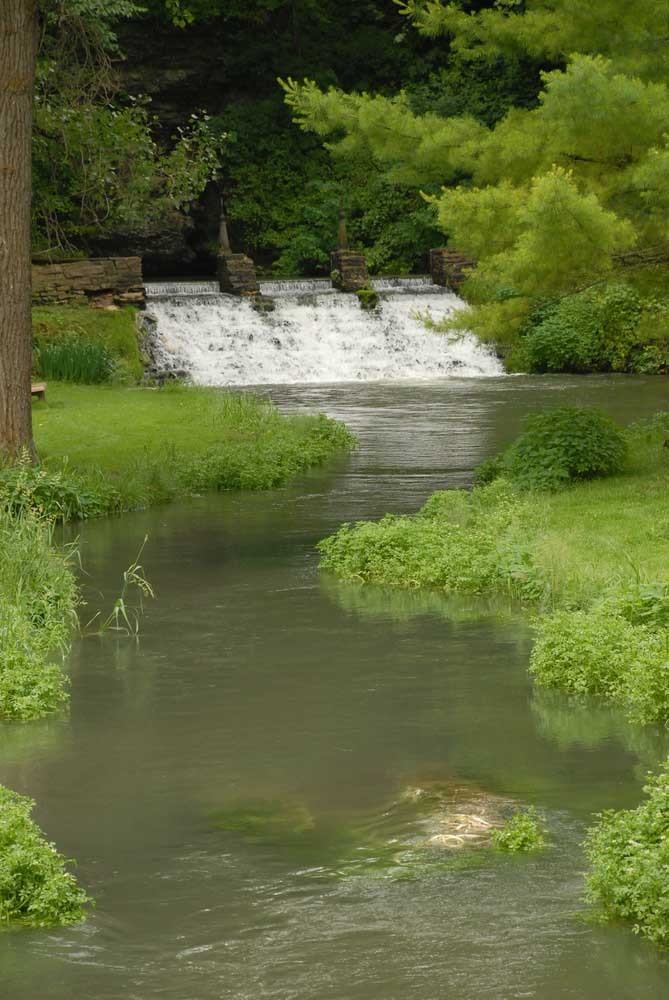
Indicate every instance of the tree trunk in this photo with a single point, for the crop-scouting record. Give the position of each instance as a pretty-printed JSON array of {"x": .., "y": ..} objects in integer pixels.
[{"x": 18, "y": 44}]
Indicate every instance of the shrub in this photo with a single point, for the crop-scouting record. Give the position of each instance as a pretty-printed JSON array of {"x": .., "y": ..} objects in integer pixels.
[
  {"x": 523, "y": 832},
  {"x": 601, "y": 653},
  {"x": 628, "y": 852},
  {"x": 452, "y": 543},
  {"x": 74, "y": 359},
  {"x": 36, "y": 890},
  {"x": 591, "y": 332},
  {"x": 584, "y": 652},
  {"x": 30, "y": 686},
  {"x": 564, "y": 444}
]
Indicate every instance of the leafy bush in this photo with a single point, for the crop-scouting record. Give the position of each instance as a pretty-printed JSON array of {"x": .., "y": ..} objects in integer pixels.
[
  {"x": 628, "y": 853},
  {"x": 590, "y": 332},
  {"x": 36, "y": 890},
  {"x": 523, "y": 832},
  {"x": 30, "y": 686},
  {"x": 564, "y": 444},
  {"x": 601, "y": 653},
  {"x": 452, "y": 543},
  {"x": 74, "y": 359}
]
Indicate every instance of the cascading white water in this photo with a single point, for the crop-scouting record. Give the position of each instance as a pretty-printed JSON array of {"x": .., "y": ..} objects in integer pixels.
[{"x": 313, "y": 335}]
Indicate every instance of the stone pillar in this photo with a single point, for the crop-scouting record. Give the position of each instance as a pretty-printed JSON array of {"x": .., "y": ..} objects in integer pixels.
[
  {"x": 448, "y": 267},
  {"x": 237, "y": 274},
  {"x": 352, "y": 270}
]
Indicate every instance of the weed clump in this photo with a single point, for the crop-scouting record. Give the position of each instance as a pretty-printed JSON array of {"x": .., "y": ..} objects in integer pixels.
[
  {"x": 36, "y": 890},
  {"x": 628, "y": 851},
  {"x": 453, "y": 543},
  {"x": 523, "y": 832},
  {"x": 38, "y": 598},
  {"x": 74, "y": 359}
]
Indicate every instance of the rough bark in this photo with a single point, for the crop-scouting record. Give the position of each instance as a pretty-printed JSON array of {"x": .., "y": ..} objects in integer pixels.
[{"x": 18, "y": 41}]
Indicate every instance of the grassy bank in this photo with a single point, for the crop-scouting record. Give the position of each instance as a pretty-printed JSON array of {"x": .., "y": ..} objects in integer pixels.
[
  {"x": 590, "y": 561},
  {"x": 113, "y": 448},
  {"x": 60, "y": 332},
  {"x": 38, "y": 600}
]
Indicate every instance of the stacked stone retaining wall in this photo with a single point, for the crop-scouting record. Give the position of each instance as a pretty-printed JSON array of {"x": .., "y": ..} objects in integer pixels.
[{"x": 101, "y": 281}]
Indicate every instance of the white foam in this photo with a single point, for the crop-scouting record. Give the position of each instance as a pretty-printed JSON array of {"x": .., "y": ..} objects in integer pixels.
[{"x": 313, "y": 336}]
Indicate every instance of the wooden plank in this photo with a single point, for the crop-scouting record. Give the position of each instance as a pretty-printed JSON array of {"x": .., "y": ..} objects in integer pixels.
[{"x": 38, "y": 389}]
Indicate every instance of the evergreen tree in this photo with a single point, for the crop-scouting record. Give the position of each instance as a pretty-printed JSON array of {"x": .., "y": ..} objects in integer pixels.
[{"x": 552, "y": 199}]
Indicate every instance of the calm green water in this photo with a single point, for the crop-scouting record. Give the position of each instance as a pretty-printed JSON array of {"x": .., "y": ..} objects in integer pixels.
[{"x": 256, "y": 681}]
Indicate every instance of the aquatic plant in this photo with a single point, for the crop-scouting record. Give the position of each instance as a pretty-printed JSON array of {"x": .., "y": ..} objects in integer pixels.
[
  {"x": 596, "y": 652},
  {"x": 57, "y": 493},
  {"x": 452, "y": 543},
  {"x": 126, "y": 614},
  {"x": 368, "y": 297},
  {"x": 264, "y": 819},
  {"x": 36, "y": 890},
  {"x": 524, "y": 831},
  {"x": 628, "y": 851}
]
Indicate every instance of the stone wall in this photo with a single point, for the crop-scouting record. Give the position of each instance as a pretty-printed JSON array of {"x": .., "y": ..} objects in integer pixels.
[
  {"x": 102, "y": 281},
  {"x": 351, "y": 270},
  {"x": 237, "y": 274},
  {"x": 447, "y": 267}
]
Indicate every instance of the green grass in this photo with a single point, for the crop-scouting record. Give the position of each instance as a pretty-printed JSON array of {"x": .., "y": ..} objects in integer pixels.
[
  {"x": 114, "y": 329},
  {"x": 38, "y": 598},
  {"x": 120, "y": 448}
]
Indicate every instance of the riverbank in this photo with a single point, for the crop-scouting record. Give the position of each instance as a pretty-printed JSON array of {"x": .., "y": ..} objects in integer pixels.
[
  {"x": 107, "y": 449},
  {"x": 589, "y": 562}
]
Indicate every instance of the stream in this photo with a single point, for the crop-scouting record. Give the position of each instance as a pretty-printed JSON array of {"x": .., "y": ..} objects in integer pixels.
[{"x": 257, "y": 684}]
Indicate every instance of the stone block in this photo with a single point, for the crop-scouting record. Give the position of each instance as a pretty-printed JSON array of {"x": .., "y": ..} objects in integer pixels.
[
  {"x": 352, "y": 270},
  {"x": 237, "y": 274},
  {"x": 448, "y": 267},
  {"x": 101, "y": 280}
]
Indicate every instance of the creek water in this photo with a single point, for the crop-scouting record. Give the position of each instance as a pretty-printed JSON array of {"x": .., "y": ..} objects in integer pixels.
[{"x": 256, "y": 684}]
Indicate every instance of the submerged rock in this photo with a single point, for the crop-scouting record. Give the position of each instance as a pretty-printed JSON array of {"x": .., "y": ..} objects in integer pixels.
[{"x": 456, "y": 816}]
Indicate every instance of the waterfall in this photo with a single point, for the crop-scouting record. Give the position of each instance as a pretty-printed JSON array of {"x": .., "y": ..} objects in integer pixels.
[{"x": 313, "y": 335}]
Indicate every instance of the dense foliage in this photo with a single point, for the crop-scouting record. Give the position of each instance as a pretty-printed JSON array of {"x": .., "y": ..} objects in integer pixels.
[
  {"x": 36, "y": 890},
  {"x": 551, "y": 200},
  {"x": 628, "y": 853},
  {"x": 524, "y": 832},
  {"x": 97, "y": 167},
  {"x": 559, "y": 446}
]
